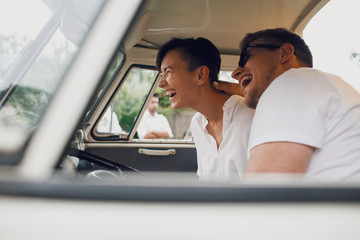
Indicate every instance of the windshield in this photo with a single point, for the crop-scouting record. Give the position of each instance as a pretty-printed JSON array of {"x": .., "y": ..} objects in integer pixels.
[{"x": 39, "y": 39}]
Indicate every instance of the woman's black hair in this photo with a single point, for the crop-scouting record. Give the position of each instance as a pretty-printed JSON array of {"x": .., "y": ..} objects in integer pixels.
[{"x": 195, "y": 52}]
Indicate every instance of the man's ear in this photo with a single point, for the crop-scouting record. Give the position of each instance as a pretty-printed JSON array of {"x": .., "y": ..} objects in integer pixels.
[
  {"x": 203, "y": 74},
  {"x": 287, "y": 52}
]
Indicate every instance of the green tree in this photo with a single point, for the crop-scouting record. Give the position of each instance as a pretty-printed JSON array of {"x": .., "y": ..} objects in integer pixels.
[
  {"x": 28, "y": 105},
  {"x": 31, "y": 95},
  {"x": 132, "y": 95}
]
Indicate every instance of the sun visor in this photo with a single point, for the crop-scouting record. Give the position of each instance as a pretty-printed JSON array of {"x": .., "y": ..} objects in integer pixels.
[{"x": 138, "y": 30}]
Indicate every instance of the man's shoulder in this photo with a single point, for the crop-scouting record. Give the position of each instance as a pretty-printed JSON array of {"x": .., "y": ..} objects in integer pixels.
[
  {"x": 304, "y": 74},
  {"x": 159, "y": 115},
  {"x": 146, "y": 114}
]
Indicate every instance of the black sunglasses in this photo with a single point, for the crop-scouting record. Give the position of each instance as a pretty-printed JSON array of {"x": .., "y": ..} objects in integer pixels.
[{"x": 244, "y": 57}]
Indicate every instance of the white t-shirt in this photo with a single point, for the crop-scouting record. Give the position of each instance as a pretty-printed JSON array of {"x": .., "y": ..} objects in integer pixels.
[
  {"x": 150, "y": 123},
  {"x": 227, "y": 162},
  {"x": 317, "y": 109}
]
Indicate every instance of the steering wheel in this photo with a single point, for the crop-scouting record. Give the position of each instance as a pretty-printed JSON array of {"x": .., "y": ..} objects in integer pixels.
[{"x": 114, "y": 169}]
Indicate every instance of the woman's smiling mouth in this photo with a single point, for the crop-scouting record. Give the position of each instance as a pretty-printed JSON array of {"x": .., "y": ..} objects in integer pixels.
[{"x": 171, "y": 93}]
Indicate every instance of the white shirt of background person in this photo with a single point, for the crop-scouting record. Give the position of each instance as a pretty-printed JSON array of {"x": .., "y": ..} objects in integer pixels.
[{"x": 154, "y": 125}]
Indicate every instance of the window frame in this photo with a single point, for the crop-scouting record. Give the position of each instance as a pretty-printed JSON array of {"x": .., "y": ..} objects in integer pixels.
[{"x": 122, "y": 137}]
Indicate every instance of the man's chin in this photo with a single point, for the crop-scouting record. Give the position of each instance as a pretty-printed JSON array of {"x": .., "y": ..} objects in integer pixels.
[{"x": 250, "y": 103}]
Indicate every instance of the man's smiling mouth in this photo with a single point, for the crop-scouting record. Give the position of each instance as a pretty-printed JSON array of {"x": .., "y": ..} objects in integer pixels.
[{"x": 245, "y": 81}]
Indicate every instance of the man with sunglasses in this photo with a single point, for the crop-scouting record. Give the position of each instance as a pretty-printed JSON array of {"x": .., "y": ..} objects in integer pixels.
[{"x": 306, "y": 121}]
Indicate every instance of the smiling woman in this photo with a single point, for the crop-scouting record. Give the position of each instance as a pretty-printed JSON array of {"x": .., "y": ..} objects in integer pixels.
[{"x": 189, "y": 67}]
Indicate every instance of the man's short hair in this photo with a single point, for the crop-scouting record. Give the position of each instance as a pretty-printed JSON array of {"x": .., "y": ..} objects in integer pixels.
[
  {"x": 195, "y": 52},
  {"x": 281, "y": 36}
]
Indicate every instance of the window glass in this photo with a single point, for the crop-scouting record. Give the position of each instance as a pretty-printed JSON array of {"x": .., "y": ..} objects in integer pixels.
[
  {"x": 109, "y": 77},
  {"x": 121, "y": 115},
  {"x": 39, "y": 39},
  {"x": 30, "y": 96},
  {"x": 159, "y": 118}
]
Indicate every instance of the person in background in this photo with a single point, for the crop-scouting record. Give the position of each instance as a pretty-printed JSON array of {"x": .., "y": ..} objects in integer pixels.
[
  {"x": 221, "y": 126},
  {"x": 306, "y": 121},
  {"x": 154, "y": 125}
]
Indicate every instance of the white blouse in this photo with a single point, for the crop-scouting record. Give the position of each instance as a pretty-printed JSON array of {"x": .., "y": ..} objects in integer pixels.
[{"x": 229, "y": 160}]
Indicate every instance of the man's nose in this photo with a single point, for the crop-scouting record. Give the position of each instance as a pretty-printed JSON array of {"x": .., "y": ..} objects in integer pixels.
[{"x": 237, "y": 72}]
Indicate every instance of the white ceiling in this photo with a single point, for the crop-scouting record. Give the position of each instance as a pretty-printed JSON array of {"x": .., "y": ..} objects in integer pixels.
[{"x": 224, "y": 22}]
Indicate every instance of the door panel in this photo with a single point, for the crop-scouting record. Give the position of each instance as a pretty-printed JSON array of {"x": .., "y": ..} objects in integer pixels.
[{"x": 180, "y": 159}]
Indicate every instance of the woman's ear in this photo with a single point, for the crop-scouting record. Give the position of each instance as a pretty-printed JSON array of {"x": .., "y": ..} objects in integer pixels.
[
  {"x": 203, "y": 74},
  {"x": 287, "y": 51}
]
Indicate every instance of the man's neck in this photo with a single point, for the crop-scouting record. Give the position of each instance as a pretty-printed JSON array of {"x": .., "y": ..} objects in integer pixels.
[{"x": 152, "y": 113}]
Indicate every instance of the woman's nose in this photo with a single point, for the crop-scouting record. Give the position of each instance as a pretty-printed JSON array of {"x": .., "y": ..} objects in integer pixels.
[{"x": 162, "y": 81}]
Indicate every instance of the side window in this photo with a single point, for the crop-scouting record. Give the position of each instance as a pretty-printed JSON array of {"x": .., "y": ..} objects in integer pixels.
[
  {"x": 121, "y": 115},
  {"x": 114, "y": 67}
]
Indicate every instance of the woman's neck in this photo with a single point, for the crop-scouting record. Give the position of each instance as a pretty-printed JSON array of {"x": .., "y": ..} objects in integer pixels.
[{"x": 211, "y": 107}]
